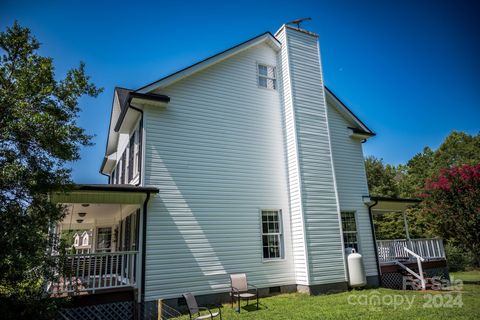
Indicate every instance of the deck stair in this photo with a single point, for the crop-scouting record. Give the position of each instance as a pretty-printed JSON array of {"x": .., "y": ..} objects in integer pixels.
[
  {"x": 416, "y": 278},
  {"x": 415, "y": 284}
]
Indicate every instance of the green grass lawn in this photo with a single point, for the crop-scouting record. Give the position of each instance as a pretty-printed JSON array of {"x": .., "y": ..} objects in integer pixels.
[
  {"x": 366, "y": 304},
  {"x": 473, "y": 275}
]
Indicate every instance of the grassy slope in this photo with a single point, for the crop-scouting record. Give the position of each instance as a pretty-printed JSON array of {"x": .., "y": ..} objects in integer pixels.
[{"x": 336, "y": 306}]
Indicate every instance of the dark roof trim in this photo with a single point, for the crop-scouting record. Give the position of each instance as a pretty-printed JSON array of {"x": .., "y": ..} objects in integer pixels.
[
  {"x": 116, "y": 188},
  {"x": 391, "y": 199},
  {"x": 211, "y": 57},
  {"x": 350, "y": 111},
  {"x": 360, "y": 131},
  {"x": 146, "y": 96}
]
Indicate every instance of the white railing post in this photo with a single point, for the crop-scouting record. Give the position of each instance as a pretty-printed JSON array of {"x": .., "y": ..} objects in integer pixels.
[
  {"x": 105, "y": 270},
  {"x": 420, "y": 269},
  {"x": 393, "y": 250}
]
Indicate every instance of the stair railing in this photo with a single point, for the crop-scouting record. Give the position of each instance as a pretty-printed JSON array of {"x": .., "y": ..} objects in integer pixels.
[{"x": 418, "y": 275}]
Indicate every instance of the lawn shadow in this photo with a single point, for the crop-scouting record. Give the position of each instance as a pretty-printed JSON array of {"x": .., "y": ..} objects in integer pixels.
[{"x": 253, "y": 307}]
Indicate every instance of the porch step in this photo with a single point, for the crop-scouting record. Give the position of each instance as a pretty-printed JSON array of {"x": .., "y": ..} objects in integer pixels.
[{"x": 429, "y": 283}]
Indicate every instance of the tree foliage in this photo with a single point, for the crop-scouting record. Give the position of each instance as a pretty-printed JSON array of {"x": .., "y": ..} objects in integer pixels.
[
  {"x": 38, "y": 135},
  {"x": 452, "y": 206}
]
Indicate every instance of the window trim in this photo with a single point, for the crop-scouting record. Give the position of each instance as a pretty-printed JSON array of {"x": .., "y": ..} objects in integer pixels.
[
  {"x": 355, "y": 216},
  {"x": 281, "y": 236},
  {"x": 275, "y": 74},
  {"x": 85, "y": 243},
  {"x": 97, "y": 233}
]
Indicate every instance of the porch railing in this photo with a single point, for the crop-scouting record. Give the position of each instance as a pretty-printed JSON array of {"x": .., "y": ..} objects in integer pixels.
[
  {"x": 394, "y": 250},
  {"x": 94, "y": 271}
]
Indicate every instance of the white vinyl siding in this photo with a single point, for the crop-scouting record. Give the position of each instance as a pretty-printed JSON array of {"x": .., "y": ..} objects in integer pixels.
[
  {"x": 295, "y": 199},
  {"x": 216, "y": 153},
  {"x": 352, "y": 182},
  {"x": 317, "y": 184}
]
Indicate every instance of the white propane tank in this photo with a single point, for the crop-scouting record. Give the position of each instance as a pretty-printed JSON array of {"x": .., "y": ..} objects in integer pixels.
[{"x": 356, "y": 273}]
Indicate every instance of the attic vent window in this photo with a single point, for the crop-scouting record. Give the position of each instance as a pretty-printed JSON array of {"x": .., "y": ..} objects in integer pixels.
[{"x": 267, "y": 77}]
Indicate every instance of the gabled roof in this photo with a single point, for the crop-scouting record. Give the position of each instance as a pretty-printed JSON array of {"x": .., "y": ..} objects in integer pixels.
[{"x": 266, "y": 37}]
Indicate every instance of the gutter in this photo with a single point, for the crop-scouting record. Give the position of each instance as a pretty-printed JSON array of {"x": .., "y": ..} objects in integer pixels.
[
  {"x": 375, "y": 239},
  {"x": 147, "y": 96}
]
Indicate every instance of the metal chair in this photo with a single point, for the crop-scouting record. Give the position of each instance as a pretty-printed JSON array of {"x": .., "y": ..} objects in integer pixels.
[
  {"x": 194, "y": 309},
  {"x": 240, "y": 289}
]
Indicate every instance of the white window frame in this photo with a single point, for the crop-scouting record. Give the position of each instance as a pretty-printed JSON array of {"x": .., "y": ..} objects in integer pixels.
[
  {"x": 136, "y": 152},
  {"x": 280, "y": 235},
  {"x": 85, "y": 240},
  {"x": 97, "y": 233},
  {"x": 76, "y": 240},
  {"x": 355, "y": 217},
  {"x": 274, "y": 78}
]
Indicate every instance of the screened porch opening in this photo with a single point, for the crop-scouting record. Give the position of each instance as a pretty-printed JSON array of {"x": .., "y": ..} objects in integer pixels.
[{"x": 100, "y": 238}]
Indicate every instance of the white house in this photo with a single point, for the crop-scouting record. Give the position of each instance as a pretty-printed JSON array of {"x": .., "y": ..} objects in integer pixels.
[
  {"x": 82, "y": 242},
  {"x": 242, "y": 162}
]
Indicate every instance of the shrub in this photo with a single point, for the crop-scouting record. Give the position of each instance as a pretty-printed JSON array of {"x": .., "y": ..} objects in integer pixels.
[{"x": 458, "y": 259}]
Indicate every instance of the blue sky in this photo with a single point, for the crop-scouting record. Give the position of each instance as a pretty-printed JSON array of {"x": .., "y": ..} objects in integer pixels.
[{"x": 409, "y": 69}]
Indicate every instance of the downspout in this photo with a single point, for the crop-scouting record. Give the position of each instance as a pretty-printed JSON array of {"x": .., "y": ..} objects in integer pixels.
[
  {"x": 144, "y": 242},
  {"x": 372, "y": 227}
]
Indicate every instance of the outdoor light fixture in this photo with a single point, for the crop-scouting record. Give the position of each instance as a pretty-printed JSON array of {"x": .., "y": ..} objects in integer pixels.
[
  {"x": 85, "y": 204},
  {"x": 79, "y": 220},
  {"x": 82, "y": 214}
]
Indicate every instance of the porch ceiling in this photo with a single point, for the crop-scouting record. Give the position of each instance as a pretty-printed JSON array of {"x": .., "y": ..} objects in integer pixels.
[
  {"x": 100, "y": 204},
  {"x": 96, "y": 214},
  {"x": 110, "y": 193},
  {"x": 384, "y": 204}
]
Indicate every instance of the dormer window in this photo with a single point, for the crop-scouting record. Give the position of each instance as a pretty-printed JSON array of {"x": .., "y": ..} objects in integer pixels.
[{"x": 267, "y": 76}]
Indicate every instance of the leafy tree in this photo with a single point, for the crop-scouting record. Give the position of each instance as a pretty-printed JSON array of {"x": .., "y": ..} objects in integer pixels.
[
  {"x": 415, "y": 172},
  {"x": 458, "y": 148},
  {"x": 38, "y": 135},
  {"x": 452, "y": 206},
  {"x": 381, "y": 178}
]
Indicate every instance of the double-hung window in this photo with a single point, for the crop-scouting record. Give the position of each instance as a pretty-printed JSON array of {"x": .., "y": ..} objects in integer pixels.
[
  {"x": 272, "y": 239},
  {"x": 267, "y": 76},
  {"x": 104, "y": 239},
  {"x": 349, "y": 228}
]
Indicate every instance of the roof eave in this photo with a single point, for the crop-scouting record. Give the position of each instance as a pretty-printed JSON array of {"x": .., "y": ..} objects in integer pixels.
[
  {"x": 363, "y": 127},
  {"x": 144, "y": 96}
]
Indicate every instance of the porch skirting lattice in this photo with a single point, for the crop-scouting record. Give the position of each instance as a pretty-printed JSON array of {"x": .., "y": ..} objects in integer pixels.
[{"x": 108, "y": 311}]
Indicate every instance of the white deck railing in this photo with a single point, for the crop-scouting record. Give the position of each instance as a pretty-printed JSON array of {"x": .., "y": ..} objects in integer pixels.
[
  {"x": 95, "y": 271},
  {"x": 394, "y": 250}
]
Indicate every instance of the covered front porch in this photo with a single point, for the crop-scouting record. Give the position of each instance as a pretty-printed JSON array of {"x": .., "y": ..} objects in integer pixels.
[{"x": 103, "y": 232}]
